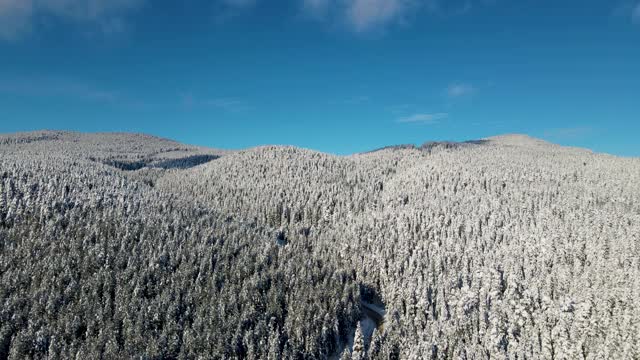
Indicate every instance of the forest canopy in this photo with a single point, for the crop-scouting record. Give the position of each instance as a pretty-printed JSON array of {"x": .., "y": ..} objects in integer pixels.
[{"x": 131, "y": 246}]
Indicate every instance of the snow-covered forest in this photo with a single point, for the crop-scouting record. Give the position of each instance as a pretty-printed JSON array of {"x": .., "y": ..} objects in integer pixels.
[{"x": 132, "y": 246}]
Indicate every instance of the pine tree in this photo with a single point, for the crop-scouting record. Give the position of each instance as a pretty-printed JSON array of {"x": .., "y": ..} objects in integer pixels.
[
  {"x": 375, "y": 345},
  {"x": 346, "y": 355},
  {"x": 358, "y": 352}
]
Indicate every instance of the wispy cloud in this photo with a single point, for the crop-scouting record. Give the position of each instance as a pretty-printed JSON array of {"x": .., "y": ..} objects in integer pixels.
[
  {"x": 18, "y": 17},
  {"x": 628, "y": 9},
  {"x": 423, "y": 118},
  {"x": 56, "y": 87},
  {"x": 365, "y": 15},
  {"x": 87, "y": 10},
  {"x": 316, "y": 8},
  {"x": 15, "y": 18},
  {"x": 568, "y": 133},
  {"x": 457, "y": 90},
  {"x": 225, "y": 11},
  {"x": 362, "y": 15},
  {"x": 227, "y": 104}
]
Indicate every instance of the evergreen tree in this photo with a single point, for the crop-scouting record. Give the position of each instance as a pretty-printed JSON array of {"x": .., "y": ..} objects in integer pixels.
[{"x": 358, "y": 352}]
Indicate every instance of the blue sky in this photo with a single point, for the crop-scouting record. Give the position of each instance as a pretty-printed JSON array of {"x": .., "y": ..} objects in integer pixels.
[{"x": 340, "y": 76}]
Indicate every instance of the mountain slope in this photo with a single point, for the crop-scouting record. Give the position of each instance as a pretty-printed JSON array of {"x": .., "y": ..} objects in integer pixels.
[
  {"x": 95, "y": 263},
  {"x": 504, "y": 247},
  {"x": 123, "y": 150},
  {"x": 455, "y": 238}
]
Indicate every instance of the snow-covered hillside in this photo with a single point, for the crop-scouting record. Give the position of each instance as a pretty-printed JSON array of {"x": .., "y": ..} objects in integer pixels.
[{"x": 122, "y": 245}]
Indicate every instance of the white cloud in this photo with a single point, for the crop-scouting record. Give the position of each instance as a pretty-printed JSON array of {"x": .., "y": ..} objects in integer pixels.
[
  {"x": 424, "y": 118},
  {"x": 365, "y": 15},
  {"x": 362, "y": 15},
  {"x": 457, "y": 90},
  {"x": 368, "y": 15},
  {"x": 17, "y": 16}
]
